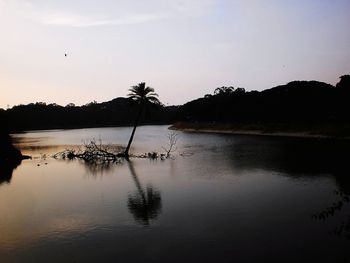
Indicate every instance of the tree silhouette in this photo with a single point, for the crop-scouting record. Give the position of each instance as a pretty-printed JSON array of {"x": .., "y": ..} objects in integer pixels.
[
  {"x": 6, "y": 170},
  {"x": 10, "y": 157},
  {"x": 142, "y": 95},
  {"x": 344, "y": 82},
  {"x": 8, "y": 153},
  {"x": 223, "y": 90}
]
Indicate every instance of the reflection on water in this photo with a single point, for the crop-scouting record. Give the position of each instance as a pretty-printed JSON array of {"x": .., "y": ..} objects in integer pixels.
[
  {"x": 6, "y": 170},
  {"x": 94, "y": 168},
  {"x": 224, "y": 198},
  {"x": 343, "y": 229},
  {"x": 145, "y": 204},
  {"x": 296, "y": 157}
]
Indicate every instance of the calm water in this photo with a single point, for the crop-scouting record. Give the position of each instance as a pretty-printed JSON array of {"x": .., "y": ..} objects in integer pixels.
[{"x": 222, "y": 198}]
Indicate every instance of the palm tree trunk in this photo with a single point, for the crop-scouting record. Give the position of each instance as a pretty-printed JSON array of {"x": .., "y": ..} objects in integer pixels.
[{"x": 126, "y": 153}]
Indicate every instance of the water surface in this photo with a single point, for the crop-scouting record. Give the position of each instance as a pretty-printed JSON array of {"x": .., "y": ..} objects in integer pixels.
[{"x": 221, "y": 198}]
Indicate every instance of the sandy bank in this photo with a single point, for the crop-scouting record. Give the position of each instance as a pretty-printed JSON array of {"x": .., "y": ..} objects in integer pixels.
[{"x": 242, "y": 130}]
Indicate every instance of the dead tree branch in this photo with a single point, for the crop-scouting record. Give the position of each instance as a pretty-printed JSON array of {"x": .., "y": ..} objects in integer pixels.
[
  {"x": 92, "y": 153},
  {"x": 171, "y": 144}
]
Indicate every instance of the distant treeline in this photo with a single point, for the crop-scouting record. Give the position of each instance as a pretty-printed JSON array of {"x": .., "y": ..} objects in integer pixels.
[
  {"x": 298, "y": 103},
  {"x": 117, "y": 112}
]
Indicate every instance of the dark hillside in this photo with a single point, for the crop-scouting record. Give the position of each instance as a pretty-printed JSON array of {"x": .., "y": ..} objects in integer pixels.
[{"x": 298, "y": 105}]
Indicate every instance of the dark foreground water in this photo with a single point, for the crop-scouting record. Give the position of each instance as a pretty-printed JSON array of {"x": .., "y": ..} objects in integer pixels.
[{"x": 222, "y": 198}]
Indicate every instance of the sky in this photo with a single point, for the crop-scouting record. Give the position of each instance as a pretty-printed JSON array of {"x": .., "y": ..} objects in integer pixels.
[{"x": 184, "y": 49}]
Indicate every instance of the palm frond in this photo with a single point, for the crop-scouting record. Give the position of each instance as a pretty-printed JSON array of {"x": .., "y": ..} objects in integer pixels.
[
  {"x": 142, "y": 93},
  {"x": 149, "y": 90},
  {"x": 152, "y": 98},
  {"x": 152, "y": 94},
  {"x": 134, "y": 97}
]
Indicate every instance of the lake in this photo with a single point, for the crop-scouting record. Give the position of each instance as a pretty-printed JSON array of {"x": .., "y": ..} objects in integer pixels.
[{"x": 220, "y": 198}]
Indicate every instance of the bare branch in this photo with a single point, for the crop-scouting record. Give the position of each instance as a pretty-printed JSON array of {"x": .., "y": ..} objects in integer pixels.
[
  {"x": 92, "y": 153},
  {"x": 171, "y": 144}
]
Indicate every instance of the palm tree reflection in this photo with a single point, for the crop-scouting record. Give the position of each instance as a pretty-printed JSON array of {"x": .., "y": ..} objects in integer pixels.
[{"x": 145, "y": 204}]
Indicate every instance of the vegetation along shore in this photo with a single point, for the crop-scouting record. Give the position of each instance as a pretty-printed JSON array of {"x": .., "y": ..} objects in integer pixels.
[
  {"x": 299, "y": 108},
  {"x": 256, "y": 129}
]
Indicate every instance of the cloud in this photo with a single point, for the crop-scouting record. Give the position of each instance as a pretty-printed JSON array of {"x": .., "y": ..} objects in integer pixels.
[
  {"x": 74, "y": 20},
  {"x": 192, "y": 7},
  {"x": 168, "y": 9},
  {"x": 110, "y": 13}
]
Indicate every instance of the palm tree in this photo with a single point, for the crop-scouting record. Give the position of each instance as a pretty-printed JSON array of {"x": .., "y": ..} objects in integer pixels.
[{"x": 142, "y": 95}]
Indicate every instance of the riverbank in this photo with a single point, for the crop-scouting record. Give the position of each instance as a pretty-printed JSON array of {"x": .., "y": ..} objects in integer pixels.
[{"x": 267, "y": 129}]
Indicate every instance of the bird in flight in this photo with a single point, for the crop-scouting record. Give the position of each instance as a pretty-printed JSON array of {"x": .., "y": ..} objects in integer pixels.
[{"x": 65, "y": 54}]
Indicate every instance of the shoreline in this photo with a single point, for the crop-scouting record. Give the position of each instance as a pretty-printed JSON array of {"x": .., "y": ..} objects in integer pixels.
[{"x": 254, "y": 132}]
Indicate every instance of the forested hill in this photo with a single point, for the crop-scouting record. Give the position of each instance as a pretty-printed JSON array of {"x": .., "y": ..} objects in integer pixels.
[
  {"x": 298, "y": 102},
  {"x": 117, "y": 112},
  {"x": 303, "y": 104}
]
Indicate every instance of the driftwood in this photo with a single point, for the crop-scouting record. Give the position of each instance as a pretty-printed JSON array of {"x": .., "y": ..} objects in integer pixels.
[{"x": 92, "y": 153}]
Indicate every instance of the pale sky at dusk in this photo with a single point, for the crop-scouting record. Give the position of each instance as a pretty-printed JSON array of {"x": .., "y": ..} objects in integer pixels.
[{"x": 184, "y": 49}]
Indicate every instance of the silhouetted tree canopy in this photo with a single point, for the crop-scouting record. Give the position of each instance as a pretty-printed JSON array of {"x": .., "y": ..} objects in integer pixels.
[
  {"x": 298, "y": 103},
  {"x": 117, "y": 112},
  {"x": 344, "y": 82}
]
